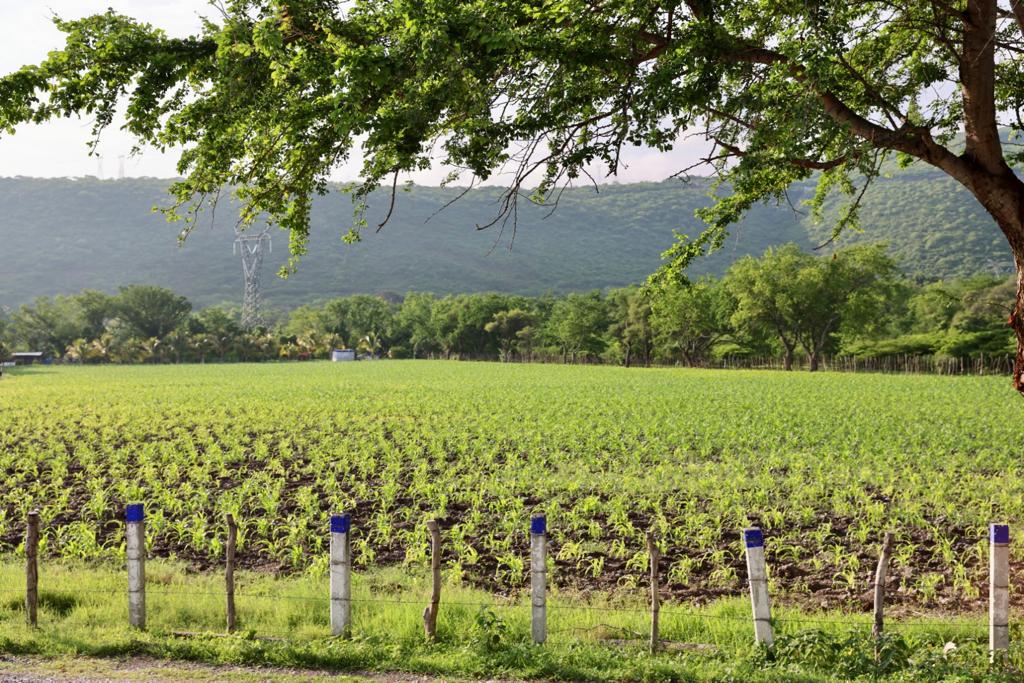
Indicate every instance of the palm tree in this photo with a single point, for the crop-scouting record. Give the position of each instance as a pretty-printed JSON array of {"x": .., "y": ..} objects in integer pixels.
[
  {"x": 130, "y": 350},
  {"x": 151, "y": 349},
  {"x": 100, "y": 348},
  {"x": 176, "y": 343},
  {"x": 309, "y": 345},
  {"x": 202, "y": 344},
  {"x": 77, "y": 351},
  {"x": 258, "y": 345},
  {"x": 371, "y": 344},
  {"x": 288, "y": 349}
]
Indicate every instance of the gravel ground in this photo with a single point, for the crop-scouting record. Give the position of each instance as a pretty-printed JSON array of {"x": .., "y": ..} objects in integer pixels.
[{"x": 87, "y": 670}]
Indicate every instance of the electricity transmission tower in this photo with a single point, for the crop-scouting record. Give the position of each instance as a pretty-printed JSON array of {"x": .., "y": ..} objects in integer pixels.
[{"x": 250, "y": 245}]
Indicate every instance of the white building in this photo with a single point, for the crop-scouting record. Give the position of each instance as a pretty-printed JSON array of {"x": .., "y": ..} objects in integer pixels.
[{"x": 342, "y": 355}]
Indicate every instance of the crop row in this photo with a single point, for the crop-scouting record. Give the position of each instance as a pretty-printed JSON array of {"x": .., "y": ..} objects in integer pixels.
[{"x": 825, "y": 464}]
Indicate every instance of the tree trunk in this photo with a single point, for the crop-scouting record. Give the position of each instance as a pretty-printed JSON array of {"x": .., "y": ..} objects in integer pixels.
[
  {"x": 813, "y": 357},
  {"x": 787, "y": 359},
  {"x": 1016, "y": 322},
  {"x": 1001, "y": 192}
]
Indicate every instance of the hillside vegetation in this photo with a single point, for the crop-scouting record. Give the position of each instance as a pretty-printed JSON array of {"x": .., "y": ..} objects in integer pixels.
[{"x": 64, "y": 235}]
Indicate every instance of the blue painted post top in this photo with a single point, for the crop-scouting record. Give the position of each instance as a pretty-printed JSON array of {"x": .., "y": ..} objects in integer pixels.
[
  {"x": 1000, "y": 534},
  {"x": 340, "y": 524},
  {"x": 134, "y": 512},
  {"x": 753, "y": 538},
  {"x": 538, "y": 524}
]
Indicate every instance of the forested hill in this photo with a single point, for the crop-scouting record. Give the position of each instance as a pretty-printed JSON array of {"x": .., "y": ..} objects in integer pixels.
[{"x": 61, "y": 235}]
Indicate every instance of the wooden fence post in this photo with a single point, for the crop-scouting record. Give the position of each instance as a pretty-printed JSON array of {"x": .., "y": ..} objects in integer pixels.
[
  {"x": 880, "y": 572},
  {"x": 757, "y": 574},
  {"x": 999, "y": 591},
  {"x": 135, "y": 538},
  {"x": 32, "y": 568},
  {"x": 655, "y": 557},
  {"x": 538, "y": 578},
  {"x": 430, "y": 613},
  {"x": 341, "y": 575},
  {"x": 229, "y": 571}
]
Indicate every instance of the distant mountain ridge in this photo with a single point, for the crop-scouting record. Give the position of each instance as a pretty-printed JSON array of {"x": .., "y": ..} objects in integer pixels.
[{"x": 63, "y": 235}]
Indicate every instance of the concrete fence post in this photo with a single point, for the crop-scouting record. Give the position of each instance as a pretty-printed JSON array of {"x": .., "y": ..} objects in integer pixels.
[
  {"x": 135, "y": 537},
  {"x": 341, "y": 575},
  {"x": 538, "y": 578},
  {"x": 654, "y": 556},
  {"x": 229, "y": 571},
  {"x": 999, "y": 591},
  {"x": 757, "y": 574}
]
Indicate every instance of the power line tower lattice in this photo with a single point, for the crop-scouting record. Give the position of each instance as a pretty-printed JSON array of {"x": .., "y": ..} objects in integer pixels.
[{"x": 250, "y": 245}]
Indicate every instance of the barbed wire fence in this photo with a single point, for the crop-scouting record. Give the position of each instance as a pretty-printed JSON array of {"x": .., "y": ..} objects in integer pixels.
[
  {"x": 339, "y": 600},
  {"x": 998, "y": 364}
]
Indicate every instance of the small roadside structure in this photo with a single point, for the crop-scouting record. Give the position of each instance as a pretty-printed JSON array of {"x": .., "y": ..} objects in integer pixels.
[
  {"x": 30, "y": 357},
  {"x": 339, "y": 355}
]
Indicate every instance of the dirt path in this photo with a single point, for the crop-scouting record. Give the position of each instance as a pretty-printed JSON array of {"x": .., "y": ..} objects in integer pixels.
[{"x": 139, "y": 669}]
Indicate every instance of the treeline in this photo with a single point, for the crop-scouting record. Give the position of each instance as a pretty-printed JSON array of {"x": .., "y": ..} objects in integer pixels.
[{"x": 787, "y": 304}]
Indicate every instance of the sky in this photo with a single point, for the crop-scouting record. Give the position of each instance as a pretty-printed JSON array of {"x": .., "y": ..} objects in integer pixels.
[{"x": 59, "y": 148}]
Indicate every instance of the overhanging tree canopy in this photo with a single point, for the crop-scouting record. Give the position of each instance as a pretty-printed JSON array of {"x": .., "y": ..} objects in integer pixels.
[{"x": 275, "y": 93}]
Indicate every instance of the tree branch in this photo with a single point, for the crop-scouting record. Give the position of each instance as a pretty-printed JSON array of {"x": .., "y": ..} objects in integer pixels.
[
  {"x": 913, "y": 140},
  {"x": 810, "y": 164},
  {"x": 1017, "y": 7}
]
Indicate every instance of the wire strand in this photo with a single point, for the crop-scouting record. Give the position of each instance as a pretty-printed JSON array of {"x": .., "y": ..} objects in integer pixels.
[{"x": 938, "y": 624}]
